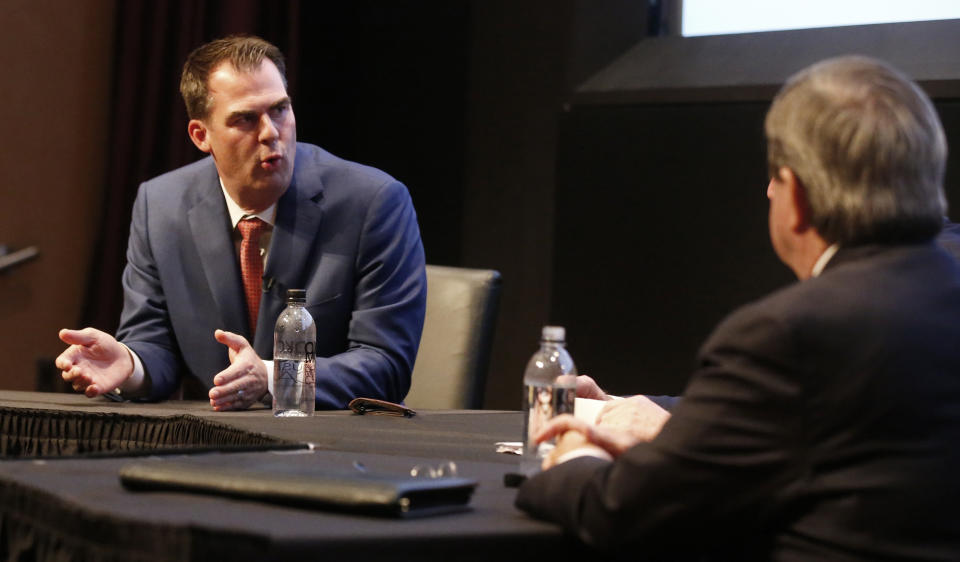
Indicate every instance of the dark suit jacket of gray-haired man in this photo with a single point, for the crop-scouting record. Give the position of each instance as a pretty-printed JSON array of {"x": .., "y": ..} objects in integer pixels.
[{"x": 823, "y": 421}]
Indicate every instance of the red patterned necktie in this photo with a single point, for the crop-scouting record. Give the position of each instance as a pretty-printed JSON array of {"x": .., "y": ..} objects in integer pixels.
[{"x": 251, "y": 266}]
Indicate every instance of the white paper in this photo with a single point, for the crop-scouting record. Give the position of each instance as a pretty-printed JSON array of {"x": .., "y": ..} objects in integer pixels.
[{"x": 587, "y": 409}]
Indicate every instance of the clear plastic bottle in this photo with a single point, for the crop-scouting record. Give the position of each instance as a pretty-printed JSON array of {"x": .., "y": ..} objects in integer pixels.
[
  {"x": 294, "y": 359},
  {"x": 549, "y": 389}
]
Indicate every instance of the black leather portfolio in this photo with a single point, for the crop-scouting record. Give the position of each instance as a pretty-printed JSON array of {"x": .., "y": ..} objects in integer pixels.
[{"x": 373, "y": 494}]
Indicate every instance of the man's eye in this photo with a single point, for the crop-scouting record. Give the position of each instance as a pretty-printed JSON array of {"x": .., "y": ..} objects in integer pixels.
[{"x": 241, "y": 121}]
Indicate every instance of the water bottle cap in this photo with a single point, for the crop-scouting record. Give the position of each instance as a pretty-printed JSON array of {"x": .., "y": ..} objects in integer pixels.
[
  {"x": 299, "y": 295},
  {"x": 554, "y": 333}
]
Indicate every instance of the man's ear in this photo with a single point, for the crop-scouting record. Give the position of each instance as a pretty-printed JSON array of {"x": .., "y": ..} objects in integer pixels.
[
  {"x": 799, "y": 204},
  {"x": 198, "y": 134}
]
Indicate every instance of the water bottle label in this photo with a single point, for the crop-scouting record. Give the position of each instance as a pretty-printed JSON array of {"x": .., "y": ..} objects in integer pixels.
[
  {"x": 293, "y": 387},
  {"x": 287, "y": 372},
  {"x": 294, "y": 350},
  {"x": 542, "y": 403}
]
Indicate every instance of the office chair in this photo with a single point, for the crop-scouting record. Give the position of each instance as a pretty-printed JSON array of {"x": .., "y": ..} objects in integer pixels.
[{"x": 451, "y": 367}]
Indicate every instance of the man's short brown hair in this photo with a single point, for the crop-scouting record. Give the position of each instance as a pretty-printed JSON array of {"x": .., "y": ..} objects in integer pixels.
[{"x": 244, "y": 52}]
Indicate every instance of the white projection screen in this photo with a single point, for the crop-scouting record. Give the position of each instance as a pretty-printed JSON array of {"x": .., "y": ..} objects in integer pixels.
[{"x": 719, "y": 17}]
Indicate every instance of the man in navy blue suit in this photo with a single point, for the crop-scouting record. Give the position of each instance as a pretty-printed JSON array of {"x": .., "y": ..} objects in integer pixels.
[
  {"x": 822, "y": 422},
  {"x": 346, "y": 233}
]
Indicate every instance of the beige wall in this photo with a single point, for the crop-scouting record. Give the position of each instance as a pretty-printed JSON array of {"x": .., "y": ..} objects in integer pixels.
[{"x": 54, "y": 111}]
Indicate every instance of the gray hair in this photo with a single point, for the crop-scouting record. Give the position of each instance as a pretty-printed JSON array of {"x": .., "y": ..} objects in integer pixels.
[{"x": 868, "y": 147}]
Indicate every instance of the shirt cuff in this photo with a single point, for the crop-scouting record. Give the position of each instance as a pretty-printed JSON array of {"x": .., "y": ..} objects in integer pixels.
[
  {"x": 589, "y": 451},
  {"x": 135, "y": 382},
  {"x": 269, "y": 365}
]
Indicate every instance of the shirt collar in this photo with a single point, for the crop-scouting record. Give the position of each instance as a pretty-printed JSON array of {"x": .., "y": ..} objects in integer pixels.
[
  {"x": 268, "y": 215},
  {"x": 824, "y": 259}
]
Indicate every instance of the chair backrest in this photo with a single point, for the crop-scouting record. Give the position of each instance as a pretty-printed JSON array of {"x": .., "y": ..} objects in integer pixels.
[{"x": 454, "y": 355}]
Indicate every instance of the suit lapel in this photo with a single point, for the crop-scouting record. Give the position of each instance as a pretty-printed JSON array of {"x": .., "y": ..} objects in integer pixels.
[
  {"x": 299, "y": 214},
  {"x": 210, "y": 230}
]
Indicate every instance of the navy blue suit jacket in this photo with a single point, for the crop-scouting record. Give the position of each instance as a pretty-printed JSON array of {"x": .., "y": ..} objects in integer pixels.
[
  {"x": 346, "y": 233},
  {"x": 822, "y": 424}
]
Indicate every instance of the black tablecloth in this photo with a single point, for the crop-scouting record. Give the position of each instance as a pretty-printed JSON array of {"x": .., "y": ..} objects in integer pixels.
[{"x": 74, "y": 507}]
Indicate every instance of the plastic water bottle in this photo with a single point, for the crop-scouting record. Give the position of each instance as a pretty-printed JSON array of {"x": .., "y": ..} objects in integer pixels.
[
  {"x": 294, "y": 359},
  {"x": 549, "y": 389}
]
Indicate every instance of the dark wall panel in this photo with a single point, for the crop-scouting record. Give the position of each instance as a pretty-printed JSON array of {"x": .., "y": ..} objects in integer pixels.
[
  {"x": 661, "y": 231},
  {"x": 383, "y": 83}
]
